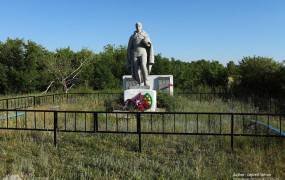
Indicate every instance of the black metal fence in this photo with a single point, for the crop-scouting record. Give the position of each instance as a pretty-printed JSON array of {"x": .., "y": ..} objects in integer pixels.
[
  {"x": 31, "y": 101},
  {"x": 265, "y": 104},
  {"x": 143, "y": 123},
  {"x": 16, "y": 115}
]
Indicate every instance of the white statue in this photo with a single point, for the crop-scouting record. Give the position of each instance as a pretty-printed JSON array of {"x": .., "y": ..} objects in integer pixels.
[{"x": 140, "y": 55}]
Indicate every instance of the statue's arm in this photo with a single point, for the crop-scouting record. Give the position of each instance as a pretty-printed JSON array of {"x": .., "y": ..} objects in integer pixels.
[
  {"x": 129, "y": 49},
  {"x": 129, "y": 54},
  {"x": 149, "y": 49},
  {"x": 147, "y": 39}
]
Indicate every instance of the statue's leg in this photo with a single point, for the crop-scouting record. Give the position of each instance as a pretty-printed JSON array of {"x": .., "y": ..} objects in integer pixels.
[
  {"x": 137, "y": 69},
  {"x": 149, "y": 68},
  {"x": 144, "y": 68}
]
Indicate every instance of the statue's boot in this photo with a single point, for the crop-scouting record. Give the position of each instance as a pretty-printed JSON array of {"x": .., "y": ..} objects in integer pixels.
[{"x": 146, "y": 84}]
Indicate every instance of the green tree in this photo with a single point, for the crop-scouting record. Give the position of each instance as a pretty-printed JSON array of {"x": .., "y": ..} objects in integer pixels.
[
  {"x": 260, "y": 75},
  {"x": 102, "y": 77},
  {"x": 21, "y": 62}
]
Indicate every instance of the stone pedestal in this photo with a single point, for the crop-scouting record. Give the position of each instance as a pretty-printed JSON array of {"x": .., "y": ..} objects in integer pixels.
[
  {"x": 131, "y": 93},
  {"x": 161, "y": 83}
]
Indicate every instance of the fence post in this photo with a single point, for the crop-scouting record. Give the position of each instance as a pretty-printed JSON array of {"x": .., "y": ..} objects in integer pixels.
[
  {"x": 269, "y": 104},
  {"x": 7, "y": 104},
  {"x": 232, "y": 131},
  {"x": 139, "y": 130},
  {"x": 280, "y": 129},
  {"x": 53, "y": 99},
  {"x": 95, "y": 122},
  {"x": 34, "y": 100},
  {"x": 54, "y": 127}
]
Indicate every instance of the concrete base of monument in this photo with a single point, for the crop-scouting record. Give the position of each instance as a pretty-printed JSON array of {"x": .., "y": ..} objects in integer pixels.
[
  {"x": 161, "y": 83},
  {"x": 150, "y": 96}
]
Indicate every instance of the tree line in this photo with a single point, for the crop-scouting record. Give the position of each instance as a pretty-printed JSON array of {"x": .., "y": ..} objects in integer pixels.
[{"x": 26, "y": 66}]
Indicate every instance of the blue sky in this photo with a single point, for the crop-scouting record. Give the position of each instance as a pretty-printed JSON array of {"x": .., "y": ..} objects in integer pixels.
[{"x": 185, "y": 29}]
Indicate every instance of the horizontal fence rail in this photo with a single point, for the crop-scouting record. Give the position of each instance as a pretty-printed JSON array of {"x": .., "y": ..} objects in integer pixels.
[
  {"x": 143, "y": 123},
  {"x": 266, "y": 104},
  {"x": 31, "y": 101}
]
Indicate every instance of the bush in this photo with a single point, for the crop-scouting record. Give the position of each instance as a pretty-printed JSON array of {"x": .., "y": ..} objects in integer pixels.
[{"x": 166, "y": 101}]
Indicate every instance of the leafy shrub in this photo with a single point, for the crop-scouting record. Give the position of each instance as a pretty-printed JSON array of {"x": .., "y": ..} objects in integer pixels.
[{"x": 166, "y": 101}]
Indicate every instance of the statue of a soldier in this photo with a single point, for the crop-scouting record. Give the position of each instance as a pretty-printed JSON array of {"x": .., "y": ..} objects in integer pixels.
[{"x": 140, "y": 55}]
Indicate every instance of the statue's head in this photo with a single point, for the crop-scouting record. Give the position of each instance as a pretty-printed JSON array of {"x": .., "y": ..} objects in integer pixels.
[{"x": 139, "y": 27}]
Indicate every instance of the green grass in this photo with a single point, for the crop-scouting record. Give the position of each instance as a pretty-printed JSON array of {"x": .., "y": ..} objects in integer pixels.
[
  {"x": 115, "y": 156},
  {"x": 110, "y": 156}
]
